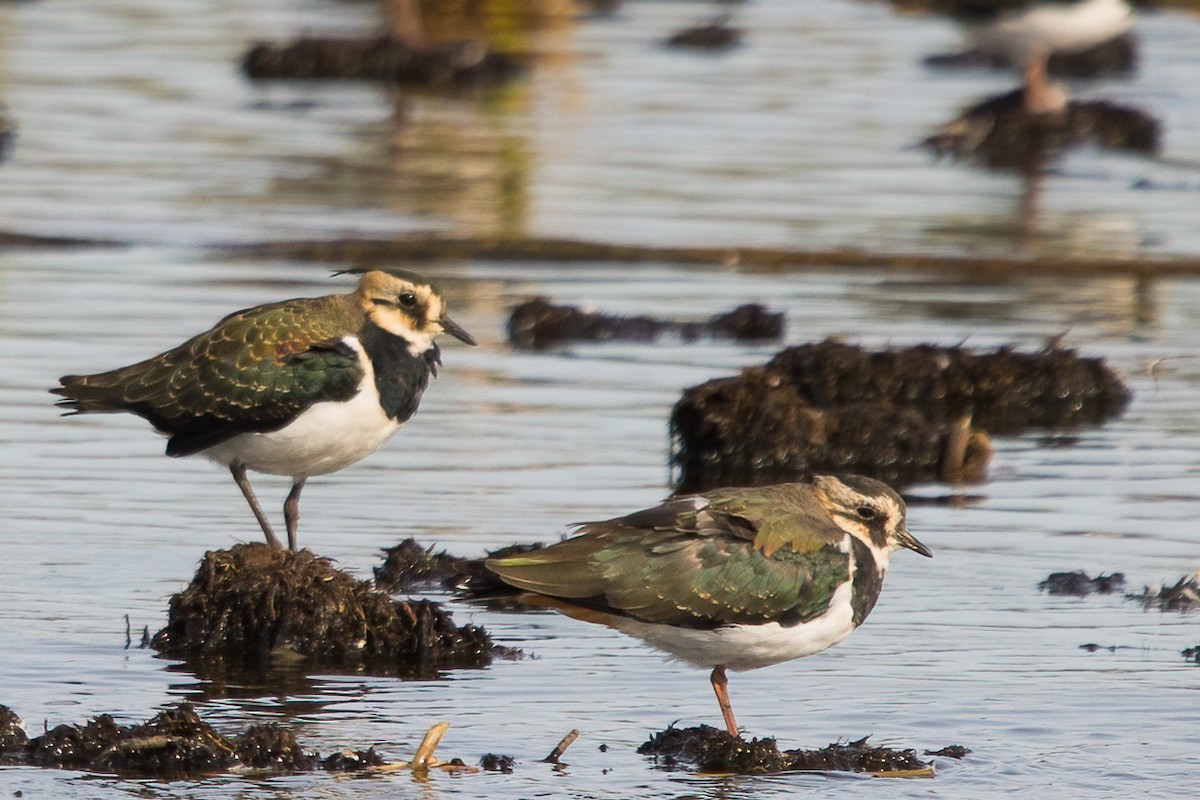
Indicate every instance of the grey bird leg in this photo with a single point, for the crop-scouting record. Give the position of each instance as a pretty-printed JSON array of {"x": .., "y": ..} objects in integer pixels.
[
  {"x": 239, "y": 477},
  {"x": 291, "y": 511},
  {"x": 720, "y": 684}
]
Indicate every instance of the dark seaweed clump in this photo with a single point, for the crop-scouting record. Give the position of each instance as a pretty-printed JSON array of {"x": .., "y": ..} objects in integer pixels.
[
  {"x": 950, "y": 751},
  {"x": 381, "y": 58},
  {"x": 1079, "y": 584},
  {"x": 1183, "y": 595},
  {"x": 1000, "y": 133},
  {"x": 900, "y": 415},
  {"x": 254, "y": 606},
  {"x": 538, "y": 323},
  {"x": 493, "y": 762},
  {"x": 409, "y": 567},
  {"x": 708, "y": 749},
  {"x": 175, "y": 743},
  {"x": 12, "y": 735},
  {"x": 715, "y": 34}
]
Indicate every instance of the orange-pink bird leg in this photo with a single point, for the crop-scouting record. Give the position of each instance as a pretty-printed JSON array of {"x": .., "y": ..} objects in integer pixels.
[{"x": 720, "y": 686}]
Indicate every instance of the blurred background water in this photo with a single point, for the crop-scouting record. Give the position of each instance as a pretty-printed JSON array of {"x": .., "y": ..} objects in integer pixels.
[{"x": 135, "y": 125}]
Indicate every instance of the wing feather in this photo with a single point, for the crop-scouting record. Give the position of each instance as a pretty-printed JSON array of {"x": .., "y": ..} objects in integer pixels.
[
  {"x": 703, "y": 570},
  {"x": 255, "y": 371}
]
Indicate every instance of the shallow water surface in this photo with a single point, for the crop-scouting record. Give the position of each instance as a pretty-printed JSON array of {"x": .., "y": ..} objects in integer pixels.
[
  {"x": 512, "y": 446},
  {"x": 135, "y": 126}
]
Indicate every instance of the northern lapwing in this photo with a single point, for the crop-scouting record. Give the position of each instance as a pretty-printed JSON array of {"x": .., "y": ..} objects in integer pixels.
[
  {"x": 1025, "y": 33},
  {"x": 729, "y": 579},
  {"x": 299, "y": 388}
]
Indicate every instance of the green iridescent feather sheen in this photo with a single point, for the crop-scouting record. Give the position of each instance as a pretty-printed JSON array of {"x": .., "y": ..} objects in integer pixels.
[
  {"x": 254, "y": 371},
  {"x": 750, "y": 556}
]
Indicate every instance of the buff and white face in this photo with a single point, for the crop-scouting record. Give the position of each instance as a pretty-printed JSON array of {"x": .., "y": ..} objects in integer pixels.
[
  {"x": 406, "y": 305},
  {"x": 870, "y": 511}
]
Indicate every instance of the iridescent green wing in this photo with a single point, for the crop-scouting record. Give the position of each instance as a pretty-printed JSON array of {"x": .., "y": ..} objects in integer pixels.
[
  {"x": 701, "y": 569},
  {"x": 255, "y": 371}
]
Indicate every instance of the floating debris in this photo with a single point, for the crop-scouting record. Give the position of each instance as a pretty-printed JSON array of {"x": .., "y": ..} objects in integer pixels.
[
  {"x": 1184, "y": 595},
  {"x": 562, "y": 746},
  {"x": 950, "y": 751},
  {"x": 381, "y": 58},
  {"x": 494, "y": 762},
  {"x": 899, "y": 415},
  {"x": 538, "y": 323},
  {"x": 352, "y": 760},
  {"x": 1000, "y": 133},
  {"x": 1078, "y": 583},
  {"x": 715, "y": 34},
  {"x": 254, "y": 606},
  {"x": 708, "y": 749},
  {"x": 1092, "y": 647},
  {"x": 1189, "y": 653}
]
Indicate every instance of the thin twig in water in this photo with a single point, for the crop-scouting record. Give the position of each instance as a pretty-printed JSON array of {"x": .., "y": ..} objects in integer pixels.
[{"x": 562, "y": 746}]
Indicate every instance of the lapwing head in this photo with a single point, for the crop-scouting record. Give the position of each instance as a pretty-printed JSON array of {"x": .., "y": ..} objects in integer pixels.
[
  {"x": 870, "y": 511},
  {"x": 407, "y": 305}
]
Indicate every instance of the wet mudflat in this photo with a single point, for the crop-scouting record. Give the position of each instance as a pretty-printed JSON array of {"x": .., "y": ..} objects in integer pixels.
[{"x": 618, "y": 140}]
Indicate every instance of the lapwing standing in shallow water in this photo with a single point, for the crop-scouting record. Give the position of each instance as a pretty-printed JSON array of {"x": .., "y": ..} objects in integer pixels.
[
  {"x": 1027, "y": 32},
  {"x": 298, "y": 388},
  {"x": 729, "y": 579}
]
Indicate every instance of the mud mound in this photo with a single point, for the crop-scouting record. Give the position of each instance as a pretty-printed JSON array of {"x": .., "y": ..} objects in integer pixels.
[
  {"x": 253, "y": 606},
  {"x": 709, "y": 749},
  {"x": 900, "y": 415},
  {"x": 1004, "y": 391},
  {"x": 538, "y": 323}
]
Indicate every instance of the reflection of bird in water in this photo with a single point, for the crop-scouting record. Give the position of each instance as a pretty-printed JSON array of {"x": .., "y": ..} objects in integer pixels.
[
  {"x": 1026, "y": 33},
  {"x": 732, "y": 578}
]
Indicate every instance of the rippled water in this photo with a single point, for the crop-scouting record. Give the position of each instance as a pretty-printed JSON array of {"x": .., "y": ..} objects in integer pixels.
[{"x": 145, "y": 133}]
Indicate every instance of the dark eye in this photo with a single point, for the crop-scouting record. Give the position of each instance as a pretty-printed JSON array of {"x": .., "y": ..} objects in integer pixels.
[
  {"x": 866, "y": 512},
  {"x": 408, "y": 299}
]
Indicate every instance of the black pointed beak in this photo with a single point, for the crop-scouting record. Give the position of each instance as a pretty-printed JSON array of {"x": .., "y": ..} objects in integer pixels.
[
  {"x": 911, "y": 542},
  {"x": 451, "y": 327}
]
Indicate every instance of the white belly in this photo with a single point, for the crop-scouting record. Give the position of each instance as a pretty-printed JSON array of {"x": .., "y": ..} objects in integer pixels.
[
  {"x": 742, "y": 647},
  {"x": 1048, "y": 29},
  {"x": 326, "y": 438}
]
